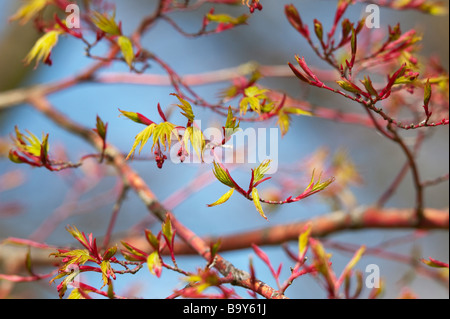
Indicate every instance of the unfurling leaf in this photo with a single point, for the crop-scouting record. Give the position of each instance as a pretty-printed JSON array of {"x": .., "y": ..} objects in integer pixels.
[
  {"x": 43, "y": 47},
  {"x": 427, "y": 93},
  {"x": 154, "y": 264},
  {"x": 369, "y": 86},
  {"x": 303, "y": 240},
  {"x": 136, "y": 117},
  {"x": 255, "y": 197},
  {"x": 127, "y": 49},
  {"x": 318, "y": 186},
  {"x": 283, "y": 122},
  {"x": 142, "y": 138},
  {"x": 223, "y": 198},
  {"x": 225, "y": 18},
  {"x": 349, "y": 86},
  {"x": 354, "y": 260},
  {"x": 186, "y": 107},
  {"x": 106, "y": 23},
  {"x": 195, "y": 136},
  {"x": 222, "y": 175},
  {"x": 101, "y": 128},
  {"x": 29, "y": 11},
  {"x": 167, "y": 229},
  {"x": 434, "y": 263},
  {"x": 163, "y": 134},
  {"x": 260, "y": 171}
]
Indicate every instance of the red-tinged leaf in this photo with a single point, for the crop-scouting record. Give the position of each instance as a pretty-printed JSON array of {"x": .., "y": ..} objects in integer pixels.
[
  {"x": 101, "y": 128},
  {"x": 152, "y": 239},
  {"x": 427, "y": 94},
  {"x": 168, "y": 231},
  {"x": 305, "y": 67},
  {"x": 295, "y": 20},
  {"x": 298, "y": 73},
  {"x": 356, "y": 257},
  {"x": 154, "y": 264},
  {"x": 318, "y": 29},
  {"x": 133, "y": 250},
  {"x": 161, "y": 113},
  {"x": 261, "y": 254},
  {"x": 137, "y": 117},
  {"x": 434, "y": 263},
  {"x": 110, "y": 253}
]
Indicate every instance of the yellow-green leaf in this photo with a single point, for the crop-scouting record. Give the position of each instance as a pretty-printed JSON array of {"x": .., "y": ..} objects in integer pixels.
[
  {"x": 163, "y": 134},
  {"x": 186, "y": 107},
  {"x": 255, "y": 197},
  {"x": 167, "y": 229},
  {"x": 225, "y": 18},
  {"x": 223, "y": 198},
  {"x": 154, "y": 264},
  {"x": 127, "y": 49},
  {"x": 303, "y": 240},
  {"x": 29, "y": 10},
  {"x": 283, "y": 122},
  {"x": 43, "y": 47},
  {"x": 195, "y": 136},
  {"x": 106, "y": 23},
  {"x": 142, "y": 138},
  {"x": 354, "y": 260},
  {"x": 296, "y": 111},
  {"x": 262, "y": 169},
  {"x": 222, "y": 175}
]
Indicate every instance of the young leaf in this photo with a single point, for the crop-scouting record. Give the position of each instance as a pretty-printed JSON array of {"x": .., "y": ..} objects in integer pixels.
[
  {"x": 152, "y": 239},
  {"x": 154, "y": 264},
  {"x": 186, "y": 107},
  {"x": 167, "y": 229},
  {"x": 222, "y": 175},
  {"x": 29, "y": 10},
  {"x": 106, "y": 23},
  {"x": 223, "y": 198},
  {"x": 136, "y": 117},
  {"x": 427, "y": 93},
  {"x": 231, "y": 121},
  {"x": 303, "y": 240},
  {"x": 255, "y": 197},
  {"x": 225, "y": 18},
  {"x": 353, "y": 261},
  {"x": 195, "y": 136},
  {"x": 261, "y": 170},
  {"x": 369, "y": 86},
  {"x": 142, "y": 139},
  {"x": 163, "y": 134},
  {"x": 127, "y": 49},
  {"x": 296, "y": 111},
  {"x": 283, "y": 122},
  {"x": 43, "y": 47},
  {"x": 434, "y": 263},
  {"x": 349, "y": 86}
]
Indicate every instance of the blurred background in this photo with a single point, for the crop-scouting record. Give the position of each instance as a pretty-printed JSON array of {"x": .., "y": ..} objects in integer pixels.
[{"x": 268, "y": 40}]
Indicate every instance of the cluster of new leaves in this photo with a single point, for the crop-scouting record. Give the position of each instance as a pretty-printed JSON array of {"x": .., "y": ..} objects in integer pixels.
[
  {"x": 397, "y": 54},
  {"x": 320, "y": 266},
  {"x": 76, "y": 261},
  {"x": 257, "y": 177},
  {"x": 395, "y": 58},
  {"x": 163, "y": 133},
  {"x": 105, "y": 27}
]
